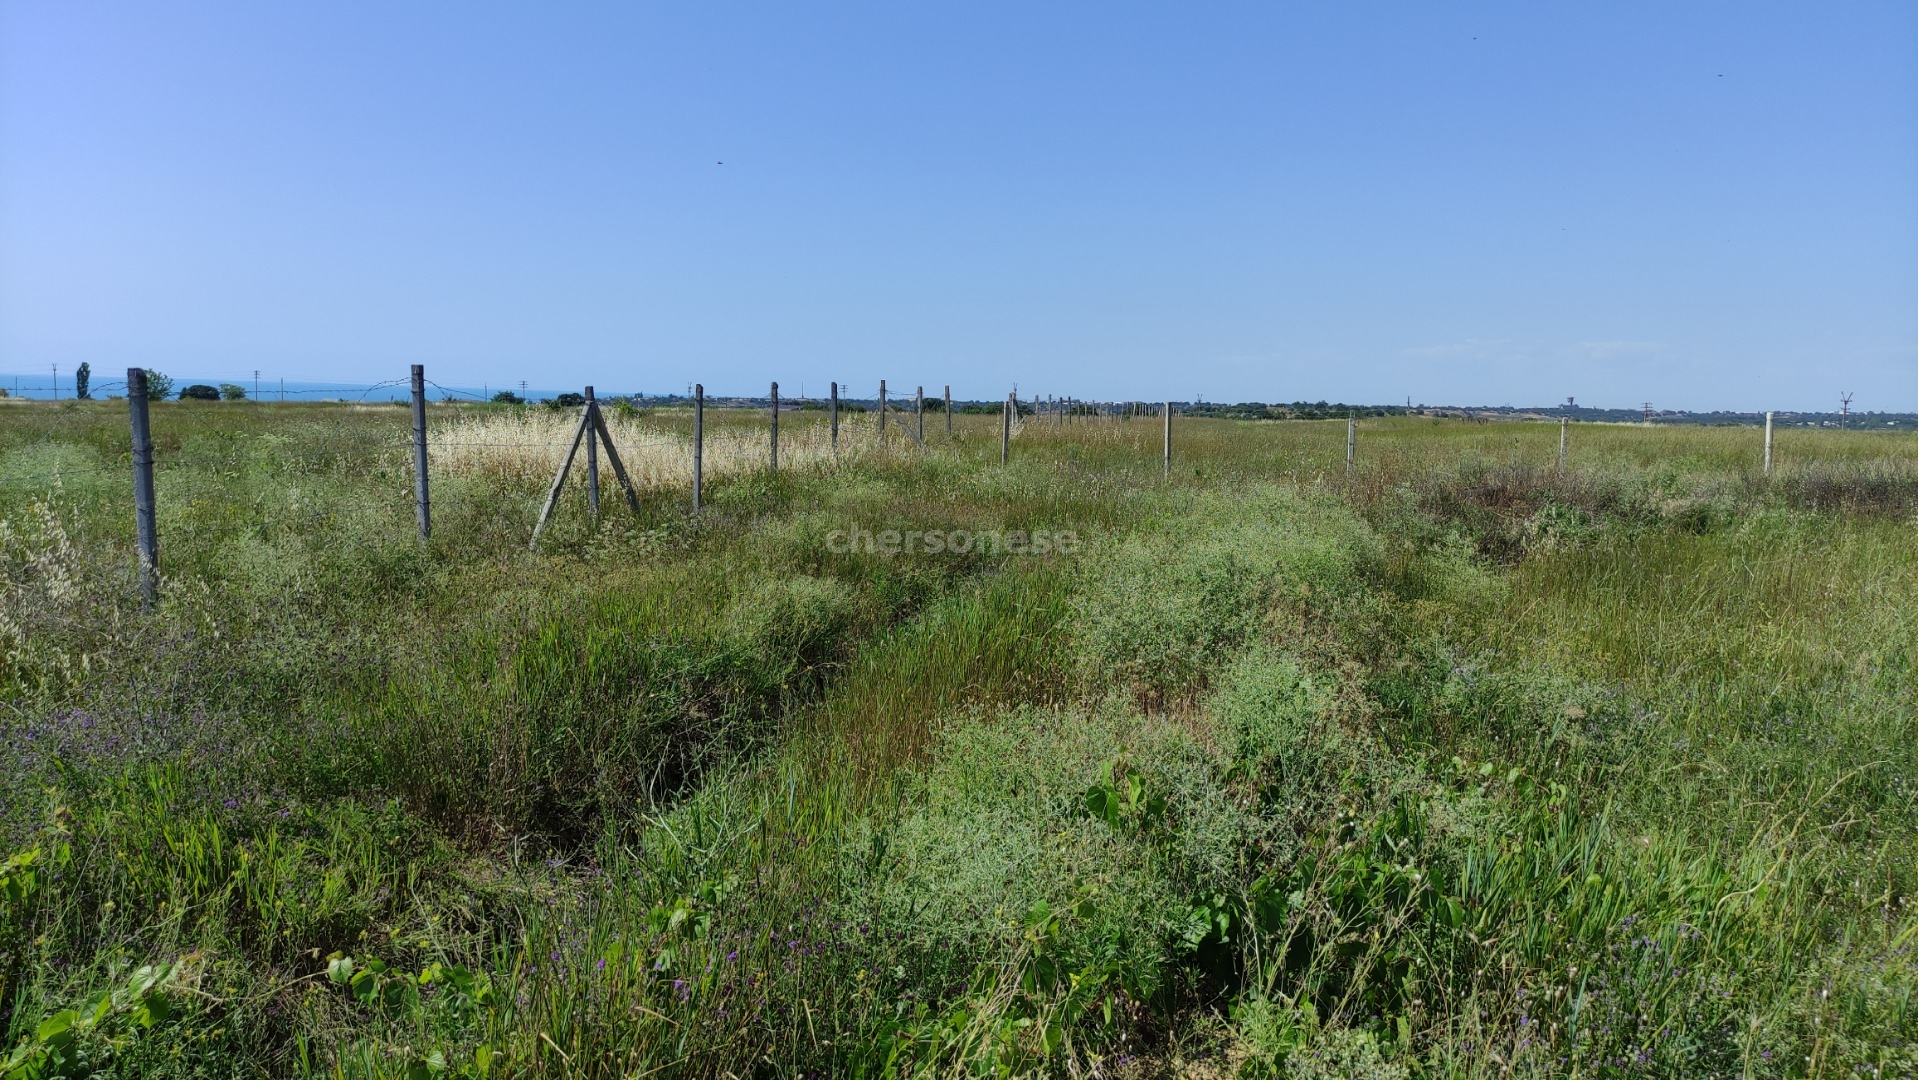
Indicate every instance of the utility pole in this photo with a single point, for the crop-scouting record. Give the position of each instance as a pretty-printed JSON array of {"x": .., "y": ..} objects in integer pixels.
[
  {"x": 1844, "y": 409},
  {"x": 256, "y": 384}
]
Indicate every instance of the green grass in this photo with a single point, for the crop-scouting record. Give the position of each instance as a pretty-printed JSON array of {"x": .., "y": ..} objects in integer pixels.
[{"x": 1450, "y": 766}]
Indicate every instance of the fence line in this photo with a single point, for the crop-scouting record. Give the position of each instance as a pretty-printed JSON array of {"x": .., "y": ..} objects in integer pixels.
[{"x": 593, "y": 430}]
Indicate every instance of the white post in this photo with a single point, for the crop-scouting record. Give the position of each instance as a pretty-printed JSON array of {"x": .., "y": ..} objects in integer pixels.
[
  {"x": 1168, "y": 440},
  {"x": 1768, "y": 442}
]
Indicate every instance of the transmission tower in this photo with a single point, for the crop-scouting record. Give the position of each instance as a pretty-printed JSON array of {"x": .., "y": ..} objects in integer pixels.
[
  {"x": 1844, "y": 408},
  {"x": 1648, "y": 412}
]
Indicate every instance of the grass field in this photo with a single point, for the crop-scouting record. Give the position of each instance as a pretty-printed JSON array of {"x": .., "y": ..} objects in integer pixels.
[{"x": 1449, "y": 767}]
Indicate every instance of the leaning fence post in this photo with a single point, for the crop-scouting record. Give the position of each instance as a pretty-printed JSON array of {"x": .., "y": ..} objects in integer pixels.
[
  {"x": 422, "y": 508},
  {"x": 1768, "y": 442},
  {"x": 612, "y": 455},
  {"x": 775, "y": 428},
  {"x": 835, "y": 418},
  {"x": 592, "y": 455},
  {"x": 882, "y": 412},
  {"x": 948, "y": 410},
  {"x": 699, "y": 440},
  {"x": 583, "y": 431},
  {"x": 143, "y": 488},
  {"x": 1351, "y": 441},
  {"x": 1564, "y": 436},
  {"x": 919, "y": 413},
  {"x": 1168, "y": 440}
]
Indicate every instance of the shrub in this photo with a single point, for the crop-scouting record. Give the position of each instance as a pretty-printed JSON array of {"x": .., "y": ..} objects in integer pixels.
[
  {"x": 507, "y": 397},
  {"x": 198, "y": 392},
  {"x": 1168, "y": 608},
  {"x": 1280, "y": 725},
  {"x": 232, "y": 391}
]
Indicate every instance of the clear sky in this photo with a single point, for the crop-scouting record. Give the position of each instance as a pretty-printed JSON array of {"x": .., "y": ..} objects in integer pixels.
[{"x": 1701, "y": 205}]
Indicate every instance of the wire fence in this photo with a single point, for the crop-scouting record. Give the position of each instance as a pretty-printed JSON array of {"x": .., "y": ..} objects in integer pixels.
[{"x": 532, "y": 443}]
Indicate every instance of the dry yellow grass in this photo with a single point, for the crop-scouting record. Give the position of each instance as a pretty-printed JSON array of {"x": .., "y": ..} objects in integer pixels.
[{"x": 529, "y": 444}]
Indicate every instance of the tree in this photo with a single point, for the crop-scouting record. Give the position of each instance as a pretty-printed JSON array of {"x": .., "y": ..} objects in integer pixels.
[
  {"x": 232, "y": 391},
  {"x": 507, "y": 397},
  {"x": 569, "y": 400},
  {"x": 82, "y": 377},
  {"x": 158, "y": 386},
  {"x": 199, "y": 392}
]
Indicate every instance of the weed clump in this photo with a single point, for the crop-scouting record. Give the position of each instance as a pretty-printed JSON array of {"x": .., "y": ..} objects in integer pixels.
[{"x": 1162, "y": 613}]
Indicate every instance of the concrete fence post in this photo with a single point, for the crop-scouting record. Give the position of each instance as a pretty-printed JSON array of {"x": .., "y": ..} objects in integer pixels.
[
  {"x": 422, "y": 505},
  {"x": 699, "y": 443},
  {"x": 143, "y": 509},
  {"x": 1168, "y": 440},
  {"x": 592, "y": 457}
]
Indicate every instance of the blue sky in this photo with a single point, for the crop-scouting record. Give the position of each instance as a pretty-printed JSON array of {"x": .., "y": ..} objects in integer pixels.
[{"x": 1702, "y": 205}]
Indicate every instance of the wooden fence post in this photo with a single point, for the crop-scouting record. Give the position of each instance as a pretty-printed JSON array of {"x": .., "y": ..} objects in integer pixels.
[
  {"x": 1564, "y": 436},
  {"x": 1768, "y": 442},
  {"x": 422, "y": 506},
  {"x": 1351, "y": 441},
  {"x": 592, "y": 455},
  {"x": 835, "y": 418},
  {"x": 948, "y": 410},
  {"x": 919, "y": 413},
  {"x": 699, "y": 440},
  {"x": 775, "y": 437},
  {"x": 882, "y": 412},
  {"x": 143, "y": 515}
]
